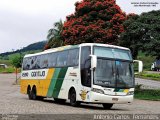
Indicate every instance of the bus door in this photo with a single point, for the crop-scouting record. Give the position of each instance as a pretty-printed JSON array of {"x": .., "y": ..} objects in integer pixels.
[{"x": 85, "y": 65}]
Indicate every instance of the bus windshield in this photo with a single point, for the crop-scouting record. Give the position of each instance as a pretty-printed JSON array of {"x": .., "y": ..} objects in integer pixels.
[{"x": 113, "y": 69}]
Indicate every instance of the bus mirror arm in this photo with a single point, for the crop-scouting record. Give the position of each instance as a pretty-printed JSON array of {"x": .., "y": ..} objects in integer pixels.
[
  {"x": 140, "y": 65},
  {"x": 93, "y": 62}
]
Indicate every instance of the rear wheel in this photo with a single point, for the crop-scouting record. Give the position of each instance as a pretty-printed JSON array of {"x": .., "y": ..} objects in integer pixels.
[
  {"x": 73, "y": 101},
  {"x": 107, "y": 105},
  {"x": 33, "y": 93},
  {"x": 29, "y": 92}
]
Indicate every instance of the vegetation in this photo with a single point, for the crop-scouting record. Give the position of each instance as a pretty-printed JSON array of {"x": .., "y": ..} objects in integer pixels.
[
  {"x": 7, "y": 62},
  {"x": 142, "y": 33},
  {"x": 94, "y": 21},
  {"x": 29, "y": 49},
  {"x": 17, "y": 61},
  {"x": 146, "y": 94},
  {"x": 14, "y": 60},
  {"x": 150, "y": 76},
  {"x": 55, "y": 36},
  {"x": 7, "y": 70},
  {"x": 102, "y": 21},
  {"x": 147, "y": 60}
]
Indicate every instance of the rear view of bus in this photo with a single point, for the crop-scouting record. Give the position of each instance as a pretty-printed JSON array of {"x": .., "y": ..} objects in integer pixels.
[{"x": 88, "y": 73}]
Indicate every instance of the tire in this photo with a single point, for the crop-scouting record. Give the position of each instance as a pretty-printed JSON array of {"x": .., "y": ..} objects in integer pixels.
[
  {"x": 72, "y": 97},
  {"x": 33, "y": 93},
  {"x": 59, "y": 100},
  {"x": 107, "y": 105},
  {"x": 29, "y": 92}
]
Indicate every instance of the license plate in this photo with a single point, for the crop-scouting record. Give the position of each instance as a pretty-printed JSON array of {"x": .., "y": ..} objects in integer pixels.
[{"x": 114, "y": 99}]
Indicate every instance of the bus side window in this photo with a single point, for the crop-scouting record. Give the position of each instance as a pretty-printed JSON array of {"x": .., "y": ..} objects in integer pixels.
[
  {"x": 25, "y": 64},
  {"x": 62, "y": 59},
  {"x": 44, "y": 61},
  {"x": 73, "y": 56},
  {"x": 85, "y": 66},
  {"x": 52, "y": 59}
]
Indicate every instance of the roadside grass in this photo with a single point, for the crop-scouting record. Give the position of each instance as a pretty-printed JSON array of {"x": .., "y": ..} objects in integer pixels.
[
  {"x": 7, "y": 70},
  {"x": 150, "y": 76},
  {"x": 7, "y": 62},
  {"x": 147, "y": 94}
]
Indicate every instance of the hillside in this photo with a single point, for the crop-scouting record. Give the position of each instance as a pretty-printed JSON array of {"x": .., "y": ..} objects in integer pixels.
[{"x": 31, "y": 47}]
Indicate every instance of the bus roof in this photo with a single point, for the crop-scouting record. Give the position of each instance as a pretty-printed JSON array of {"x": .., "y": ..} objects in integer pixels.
[{"x": 74, "y": 46}]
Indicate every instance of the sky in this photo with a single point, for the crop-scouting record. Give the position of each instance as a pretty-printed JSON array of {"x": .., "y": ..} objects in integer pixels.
[{"x": 23, "y": 22}]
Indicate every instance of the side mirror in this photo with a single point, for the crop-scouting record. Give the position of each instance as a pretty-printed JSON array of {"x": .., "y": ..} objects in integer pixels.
[
  {"x": 140, "y": 65},
  {"x": 93, "y": 61}
]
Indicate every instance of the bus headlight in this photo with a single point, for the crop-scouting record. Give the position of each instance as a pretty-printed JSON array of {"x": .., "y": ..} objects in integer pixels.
[
  {"x": 98, "y": 90},
  {"x": 130, "y": 93}
]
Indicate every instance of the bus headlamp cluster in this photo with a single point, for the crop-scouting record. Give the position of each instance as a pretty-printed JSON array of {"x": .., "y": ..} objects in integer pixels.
[
  {"x": 130, "y": 93},
  {"x": 98, "y": 90}
]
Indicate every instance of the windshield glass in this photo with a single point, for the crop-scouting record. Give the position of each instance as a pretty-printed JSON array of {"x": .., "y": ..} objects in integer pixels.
[
  {"x": 111, "y": 73},
  {"x": 114, "y": 53},
  {"x": 124, "y": 74},
  {"x": 104, "y": 74},
  {"x": 114, "y": 68}
]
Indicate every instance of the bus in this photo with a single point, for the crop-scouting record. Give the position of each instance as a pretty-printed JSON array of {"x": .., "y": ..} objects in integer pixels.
[{"x": 84, "y": 73}]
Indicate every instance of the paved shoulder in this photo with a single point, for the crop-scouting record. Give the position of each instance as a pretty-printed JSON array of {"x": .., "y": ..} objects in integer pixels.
[{"x": 148, "y": 83}]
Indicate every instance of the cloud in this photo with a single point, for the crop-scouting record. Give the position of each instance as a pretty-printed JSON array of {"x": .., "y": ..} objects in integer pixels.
[{"x": 23, "y": 22}]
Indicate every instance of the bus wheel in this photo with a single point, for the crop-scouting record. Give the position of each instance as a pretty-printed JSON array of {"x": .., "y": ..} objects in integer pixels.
[
  {"x": 73, "y": 101},
  {"x": 33, "y": 93},
  {"x": 107, "y": 105},
  {"x": 29, "y": 92},
  {"x": 59, "y": 100}
]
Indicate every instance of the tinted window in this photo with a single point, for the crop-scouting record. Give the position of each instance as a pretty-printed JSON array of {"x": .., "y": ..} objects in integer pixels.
[
  {"x": 44, "y": 61},
  {"x": 25, "y": 64},
  {"x": 85, "y": 66},
  {"x": 36, "y": 62},
  {"x": 31, "y": 63},
  {"x": 52, "y": 59},
  {"x": 62, "y": 59},
  {"x": 104, "y": 74},
  {"x": 73, "y": 56},
  {"x": 112, "y": 53}
]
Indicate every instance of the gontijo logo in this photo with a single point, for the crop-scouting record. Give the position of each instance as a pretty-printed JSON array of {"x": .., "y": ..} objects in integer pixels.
[{"x": 34, "y": 74}]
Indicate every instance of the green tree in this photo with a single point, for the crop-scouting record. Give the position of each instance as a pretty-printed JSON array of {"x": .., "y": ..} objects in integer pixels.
[
  {"x": 17, "y": 61},
  {"x": 54, "y": 35},
  {"x": 142, "y": 33}
]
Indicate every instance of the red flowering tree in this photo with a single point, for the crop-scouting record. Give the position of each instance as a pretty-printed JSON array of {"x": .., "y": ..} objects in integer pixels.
[{"x": 94, "y": 21}]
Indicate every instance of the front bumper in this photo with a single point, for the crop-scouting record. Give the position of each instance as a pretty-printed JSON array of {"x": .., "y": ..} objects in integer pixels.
[{"x": 103, "y": 98}]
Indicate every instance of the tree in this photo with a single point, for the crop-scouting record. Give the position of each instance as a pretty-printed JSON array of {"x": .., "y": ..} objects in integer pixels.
[
  {"x": 130, "y": 38},
  {"x": 54, "y": 36},
  {"x": 94, "y": 21},
  {"x": 17, "y": 61},
  {"x": 142, "y": 33}
]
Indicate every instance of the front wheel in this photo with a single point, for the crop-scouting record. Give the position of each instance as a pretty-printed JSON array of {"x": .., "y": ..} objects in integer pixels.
[
  {"x": 107, "y": 105},
  {"x": 73, "y": 101}
]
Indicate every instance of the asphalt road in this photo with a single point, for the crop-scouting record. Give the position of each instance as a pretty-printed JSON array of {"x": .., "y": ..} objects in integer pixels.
[
  {"x": 149, "y": 84},
  {"x": 13, "y": 102}
]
